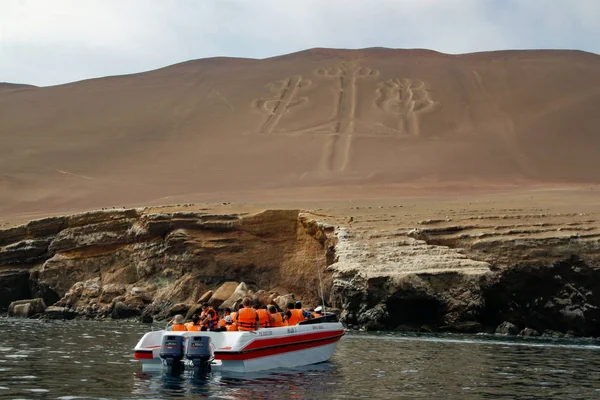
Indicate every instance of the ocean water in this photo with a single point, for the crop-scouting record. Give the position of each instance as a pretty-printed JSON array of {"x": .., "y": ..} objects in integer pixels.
[{"x": 70, "y": 360}]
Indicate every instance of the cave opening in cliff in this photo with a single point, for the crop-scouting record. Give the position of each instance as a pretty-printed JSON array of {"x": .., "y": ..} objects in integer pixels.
[{"x": 411, "y": 310}]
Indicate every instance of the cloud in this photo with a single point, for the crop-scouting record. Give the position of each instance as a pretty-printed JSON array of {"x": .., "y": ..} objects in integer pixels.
[{"x": 51, "y": 42}]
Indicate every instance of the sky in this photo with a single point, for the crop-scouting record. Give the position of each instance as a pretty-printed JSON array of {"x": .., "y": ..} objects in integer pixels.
[{"x": 49, "y": 42}]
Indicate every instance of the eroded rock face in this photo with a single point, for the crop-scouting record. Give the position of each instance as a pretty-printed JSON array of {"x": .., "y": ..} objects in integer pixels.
[
  {"x": 131, "y": 262},
  {"x": 470, "y": 274},
  {"x": 404, "y": 282},
  {"x": 563, "y": 296}
]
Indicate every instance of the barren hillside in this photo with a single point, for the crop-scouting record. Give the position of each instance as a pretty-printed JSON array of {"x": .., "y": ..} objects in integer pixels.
[{"x": 294, "y": 124}]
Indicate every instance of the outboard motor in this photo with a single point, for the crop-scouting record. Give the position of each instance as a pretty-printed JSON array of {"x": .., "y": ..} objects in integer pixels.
[
  {"x": 198, "y": 352},
  {"x": 171, "y": 350}
]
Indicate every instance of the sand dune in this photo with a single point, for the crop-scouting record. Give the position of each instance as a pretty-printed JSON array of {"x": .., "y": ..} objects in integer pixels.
[{"x": 300, "y": 124}]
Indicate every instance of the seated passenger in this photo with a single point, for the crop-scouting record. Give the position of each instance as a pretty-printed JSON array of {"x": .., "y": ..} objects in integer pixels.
[
  {"x": 288, "y": 313},
  {"x": 226, "y": 312},
  {"x": 294, "y": 313},
  {"x": 211, "y": 320},
  {"x": 176, "y": 324},
  {"x": 229, "y": 324},
  {"x": 195, "y": 324},
  {"x": 247, "y": 318},
  {"x": 276, "y": 318},
  {"x": 235, "y": 313},
  {"x": 305, "y": 313},
  {"x": 264, "y": 317},
  {"x": 318, "y": 312}
]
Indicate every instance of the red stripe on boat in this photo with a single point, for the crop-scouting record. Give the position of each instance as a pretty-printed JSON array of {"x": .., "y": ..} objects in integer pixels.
[
  {"x": 273, "y": 350},
  {"x": 282, "y": 346},
  {"x": 143, "y": 355},
  {"x": 305, "y": 337}
]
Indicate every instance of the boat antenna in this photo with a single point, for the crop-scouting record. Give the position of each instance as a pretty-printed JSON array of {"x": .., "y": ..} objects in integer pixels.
[{"x": 320, "y": 282}]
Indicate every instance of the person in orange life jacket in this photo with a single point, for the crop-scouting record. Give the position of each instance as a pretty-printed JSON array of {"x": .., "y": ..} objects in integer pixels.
[
  {"x": 194, "y": 325},
  {"x": 247, "y": 318},
  {"x": 264, "y": 318},
  {"x": 305, "y": 313},
  {"x": 294, "y": 315},
  {"x": 234, "y": 315},
  {"x": 229, "y": 324},
  {"x": 276, "y": 318},
  {"x": 210, "y": 321},
  {"x": 288, "y": 313},
  {"x": 226, "y": 312},
  {"x": 318, "y": 312},
  {"x": 176, "y": 324}
]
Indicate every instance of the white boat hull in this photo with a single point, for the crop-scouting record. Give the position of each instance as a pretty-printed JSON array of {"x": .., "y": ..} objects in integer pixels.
[{"x": 284, "y": 347}]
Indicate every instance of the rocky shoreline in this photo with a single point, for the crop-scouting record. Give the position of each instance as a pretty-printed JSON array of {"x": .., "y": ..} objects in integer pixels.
[{"x": 512, "y": 273}]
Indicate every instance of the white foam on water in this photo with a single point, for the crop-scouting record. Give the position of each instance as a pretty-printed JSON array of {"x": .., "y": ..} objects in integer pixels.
[{"x": 37, "y": 390}]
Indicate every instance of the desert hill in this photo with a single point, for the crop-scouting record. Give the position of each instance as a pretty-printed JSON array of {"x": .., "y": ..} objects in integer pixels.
[
  {"x": 13, "y": 86},
  {"x": 225, "y": 128}
]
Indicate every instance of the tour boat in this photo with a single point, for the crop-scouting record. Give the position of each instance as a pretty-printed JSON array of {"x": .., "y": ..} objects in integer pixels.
[{"x": 310, "y": 342}]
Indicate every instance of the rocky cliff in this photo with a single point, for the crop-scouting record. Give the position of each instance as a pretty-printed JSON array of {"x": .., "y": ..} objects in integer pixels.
[
  {"x": 469, "y": 270},
  {"x": 150, "y": 261},
  {"x": 464, "y": 270}
]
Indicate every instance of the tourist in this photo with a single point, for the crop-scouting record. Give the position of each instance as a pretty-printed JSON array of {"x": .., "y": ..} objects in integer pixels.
[
  {"x": 194, "y": 325},
  {"x": 226, "y": 313},
  {"x": 230, "y": 326},
  {"x": 318, "y": 313},
  {"x": 177, "y": 324},
  {"x": 294, "y": 314},
  {"x": 264, "y": 317},
  {"x": 276, "y": 318},
  {"x": 210, "y": 322},
  {"x": 305, "y": 313},
  {"x": 247, "y": 318}
]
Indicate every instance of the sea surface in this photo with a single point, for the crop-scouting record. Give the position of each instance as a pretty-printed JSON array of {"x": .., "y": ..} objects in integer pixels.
[{"x": 70, "y": 360}]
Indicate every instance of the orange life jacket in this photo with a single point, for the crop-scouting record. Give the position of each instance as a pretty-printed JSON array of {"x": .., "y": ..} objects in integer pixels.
[
  {"x": 231, "y": 328},
  {"x": 190, "y": 326},
  {"x": 222, "y": 323},
  {"x": 214, "y": 320},
  {"x": 316, "y": 315},
  {"x": 246, "y": 319},
  {"x": 178, "y": 327},
  {"x": 296, "y": 316},
  {"x": 264, "y": 318},
  {"x": 277, "y": 320}
]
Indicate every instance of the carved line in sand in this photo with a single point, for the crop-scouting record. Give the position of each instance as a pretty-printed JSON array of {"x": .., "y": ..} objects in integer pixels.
[
  {"x": 336, "y": 153},
  {"x": 283, "y": 100},
  {"x": 406, "y": 98}
]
